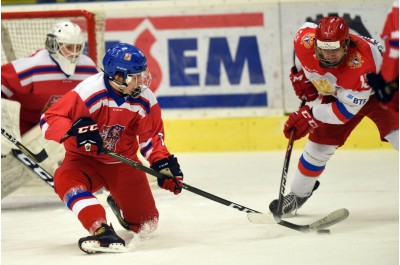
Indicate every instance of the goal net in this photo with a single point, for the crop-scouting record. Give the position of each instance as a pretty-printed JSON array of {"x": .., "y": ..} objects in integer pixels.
[{"x": 23, "y": 33}]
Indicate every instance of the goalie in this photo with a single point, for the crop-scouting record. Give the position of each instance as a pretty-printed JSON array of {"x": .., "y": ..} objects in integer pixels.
[{"x": 29, "y": 86}]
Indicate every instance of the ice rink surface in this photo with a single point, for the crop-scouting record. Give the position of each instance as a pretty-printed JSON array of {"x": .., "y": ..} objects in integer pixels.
[{"x": 36, "y": 228}]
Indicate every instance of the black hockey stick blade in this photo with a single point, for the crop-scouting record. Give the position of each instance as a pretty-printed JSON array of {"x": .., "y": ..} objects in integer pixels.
[
  {"x": 39, "y": 157},
  {"x": 32, "y": 165}
]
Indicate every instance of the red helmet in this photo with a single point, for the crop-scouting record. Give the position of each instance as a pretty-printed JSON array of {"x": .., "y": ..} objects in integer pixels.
[{"x": 332, "y": 33}]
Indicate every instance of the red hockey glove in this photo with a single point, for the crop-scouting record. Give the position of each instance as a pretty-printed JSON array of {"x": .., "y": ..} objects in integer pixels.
[
  {"x": 302, "y": 122},
  {"x": 303, "y": 87},
  {"x": 173, "y": 179},
  {"x": 87, "y": 134}
]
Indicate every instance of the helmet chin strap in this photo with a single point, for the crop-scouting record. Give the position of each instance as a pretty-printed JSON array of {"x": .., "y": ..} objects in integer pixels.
[{"x": 120, "y": 85}]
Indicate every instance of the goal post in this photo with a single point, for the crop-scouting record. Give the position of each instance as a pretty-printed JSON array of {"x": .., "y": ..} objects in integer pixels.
[{"x": 25, "y": 32}]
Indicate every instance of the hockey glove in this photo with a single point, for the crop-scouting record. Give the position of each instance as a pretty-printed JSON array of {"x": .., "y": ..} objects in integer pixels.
[
  {"x": 383, "y": 91},
  {"x": 87, "y": 134},
  {"x": 302, "y": 122},
  {"x": 173, "y": 179},
  {"x": 303, "y": 87}
]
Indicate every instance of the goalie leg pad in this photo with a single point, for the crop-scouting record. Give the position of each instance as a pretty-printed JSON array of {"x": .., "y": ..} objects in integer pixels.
[{"x": 13, "y": 175}]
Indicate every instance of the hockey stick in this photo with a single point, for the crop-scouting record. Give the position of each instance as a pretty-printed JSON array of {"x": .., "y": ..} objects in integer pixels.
[
  {"x": 282, "y": 187},
  {"x": 39, "y": 157},
  {"x": 329, "y": 220},
  {"x": 184, "y": 185},
  {"x": 32, "y": 165}
]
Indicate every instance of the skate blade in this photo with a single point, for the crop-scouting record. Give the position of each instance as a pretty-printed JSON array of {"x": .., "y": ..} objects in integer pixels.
[{"x": 93, "y": 247}]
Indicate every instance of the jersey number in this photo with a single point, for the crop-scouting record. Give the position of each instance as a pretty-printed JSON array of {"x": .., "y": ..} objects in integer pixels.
[{"x": 161, "y": 138}]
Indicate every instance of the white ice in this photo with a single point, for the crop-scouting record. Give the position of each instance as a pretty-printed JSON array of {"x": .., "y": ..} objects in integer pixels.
[{"x": 36, "y": 228}]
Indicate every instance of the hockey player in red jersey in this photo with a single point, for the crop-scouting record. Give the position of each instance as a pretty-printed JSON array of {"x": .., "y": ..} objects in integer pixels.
[
  {"x": 386, "y": 83},
  {"x": 333, "y": 64},
  {"x": 114, "y": 109},
  {"x": 39, "y": 80},
  {"x": 29, "y": 86}
]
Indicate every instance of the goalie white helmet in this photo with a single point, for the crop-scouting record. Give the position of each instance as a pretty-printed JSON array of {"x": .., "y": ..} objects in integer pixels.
[{"x": 65, "y": 44}]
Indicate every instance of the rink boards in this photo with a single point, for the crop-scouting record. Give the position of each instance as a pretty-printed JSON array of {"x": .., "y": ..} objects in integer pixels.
[{"x": 250, "y": 134}]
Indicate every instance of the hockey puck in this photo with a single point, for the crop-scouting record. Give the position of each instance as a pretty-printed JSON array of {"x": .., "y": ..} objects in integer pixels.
[{"x": 324, "y": 232}]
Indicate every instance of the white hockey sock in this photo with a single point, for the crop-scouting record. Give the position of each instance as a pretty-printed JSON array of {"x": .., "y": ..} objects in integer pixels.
[{"x": 316, "y": 156}]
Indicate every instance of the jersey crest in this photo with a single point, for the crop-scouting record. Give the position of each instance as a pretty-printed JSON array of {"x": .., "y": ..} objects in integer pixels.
[
  {"x": 308, "y": 40},
  {"x": 354, "y": 60},
  {"x": 323, "y": 86},
  {"x": 110, "y": 135}
]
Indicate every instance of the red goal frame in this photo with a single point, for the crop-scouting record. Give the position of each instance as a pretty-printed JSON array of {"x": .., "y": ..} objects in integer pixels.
[{"x": 89, "y": 16}]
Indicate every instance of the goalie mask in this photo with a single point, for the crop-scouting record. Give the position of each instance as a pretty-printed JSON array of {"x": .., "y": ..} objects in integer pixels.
[
  {"x": 65, "y": 44},
  {"x": 332, "y": 41},
  {"x": 126, "y": 67}
]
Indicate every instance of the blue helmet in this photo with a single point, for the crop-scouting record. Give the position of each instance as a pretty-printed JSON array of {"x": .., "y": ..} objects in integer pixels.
[{"x": 124, "y": 58}]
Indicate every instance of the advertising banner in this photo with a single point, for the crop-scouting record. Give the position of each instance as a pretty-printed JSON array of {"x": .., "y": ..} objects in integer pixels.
[{"x": 202, "y": 59}]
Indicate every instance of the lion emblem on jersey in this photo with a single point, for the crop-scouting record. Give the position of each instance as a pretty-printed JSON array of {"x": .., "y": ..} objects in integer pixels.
[
  {"x": 110, "y": 135},
  {"x": 354, "y": 60},
  {"x": 308, "y": 40}
]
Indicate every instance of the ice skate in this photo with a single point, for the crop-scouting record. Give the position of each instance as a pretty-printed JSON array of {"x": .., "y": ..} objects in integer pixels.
[
  {"x": 291, "y": 202},
  {"x": 117, "y": 211},
  {"x": 104, "y": 240}
]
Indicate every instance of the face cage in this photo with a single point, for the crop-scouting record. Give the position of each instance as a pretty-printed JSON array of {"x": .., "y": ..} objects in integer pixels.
[
  {"x": 132, "y": 80},
  {"x": 73, "y": 55},
  {"x": 327, "y": 63}
]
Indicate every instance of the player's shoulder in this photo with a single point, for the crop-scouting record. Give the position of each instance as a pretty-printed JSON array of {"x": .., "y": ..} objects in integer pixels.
[
  {"x": 364, "y": 54},
  {"x": 34, "y": 60},
  {"x": 93, "y": 85},
  {"x": 363, "y": 42},
  {"x": 305, "y": 37}
]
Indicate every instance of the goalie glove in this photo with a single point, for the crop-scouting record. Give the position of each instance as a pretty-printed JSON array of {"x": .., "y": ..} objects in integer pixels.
[
  {"x": 302, "y": 122},
  {"x": 303, "y": 87},
  {"x": 173, "y": 180},
  {"x": 87, "y": 134}
]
